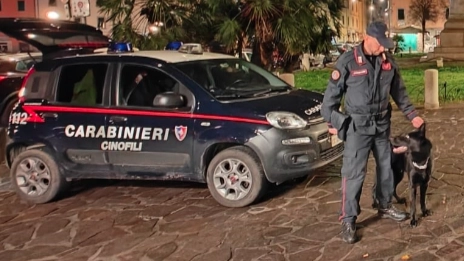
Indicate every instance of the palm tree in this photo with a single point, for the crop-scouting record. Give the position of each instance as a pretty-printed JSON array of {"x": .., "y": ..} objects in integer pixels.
[
  {"x": 291, "y": 27},
  {"x": 119, "y": 13},
  {"x": 151, "y": 24},
  {"x": 288, "y": 26}
]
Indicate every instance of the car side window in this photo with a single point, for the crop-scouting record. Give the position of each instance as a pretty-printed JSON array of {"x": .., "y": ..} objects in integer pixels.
[
  {"x": 26, "y": 64},
  {"x": 139, "y": 85},
  {"x": 82, "y": 84}
]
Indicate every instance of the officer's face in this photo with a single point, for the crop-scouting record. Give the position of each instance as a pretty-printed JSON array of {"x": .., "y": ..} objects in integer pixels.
[{"x": 374, "y": 46}]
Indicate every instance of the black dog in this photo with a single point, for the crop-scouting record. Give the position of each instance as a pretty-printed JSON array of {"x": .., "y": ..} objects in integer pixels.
[
  {"x": 398, "y": 164},
  {"x": 417, "y": 163}
]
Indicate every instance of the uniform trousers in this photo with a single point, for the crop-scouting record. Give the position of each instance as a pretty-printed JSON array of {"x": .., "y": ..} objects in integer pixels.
[{"x": 355, "y": 157}]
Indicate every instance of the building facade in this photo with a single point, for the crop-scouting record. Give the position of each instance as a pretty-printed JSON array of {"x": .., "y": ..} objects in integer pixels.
[
  {"x": 402, "y": 23},
  {"x": 15, "y": 8},
  {"x": 354, "y": 20},
  {"x": 55, "y": 9}
]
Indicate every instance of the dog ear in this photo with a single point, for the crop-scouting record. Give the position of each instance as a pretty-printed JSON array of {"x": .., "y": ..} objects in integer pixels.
[{"x": 422, "y": 130}]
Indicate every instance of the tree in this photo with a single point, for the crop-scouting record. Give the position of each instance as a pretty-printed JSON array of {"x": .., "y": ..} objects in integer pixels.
[
  {"x": 287, "y": 26},
  {"x": 421, "y": 11}
]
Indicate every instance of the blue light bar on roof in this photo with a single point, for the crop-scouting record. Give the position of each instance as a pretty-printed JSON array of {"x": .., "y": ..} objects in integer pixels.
[
  {"x": 120, "y": 47},
  {"x": 173, "y": 46}
]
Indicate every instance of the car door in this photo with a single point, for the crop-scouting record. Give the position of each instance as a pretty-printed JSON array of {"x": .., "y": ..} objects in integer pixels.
[
  {"x": 150, "y": 140},
  {"x": 74, "y": 117}
]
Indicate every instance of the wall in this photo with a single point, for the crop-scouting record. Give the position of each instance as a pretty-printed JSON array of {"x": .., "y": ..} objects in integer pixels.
[
  {"x": 353, "y": 21},
  {"x": 404, "y": 4},
  {"x": 10, "y": 8}
]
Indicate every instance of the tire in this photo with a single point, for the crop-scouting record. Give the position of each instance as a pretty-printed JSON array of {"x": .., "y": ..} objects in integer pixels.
[
  {"x": 4, "y": 120},
  {"x": 245, "y": 159},
  {"x": 22, "y": 165}
]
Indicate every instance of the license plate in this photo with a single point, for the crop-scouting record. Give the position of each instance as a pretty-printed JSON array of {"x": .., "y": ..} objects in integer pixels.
[{"x": 334, "y": 140}]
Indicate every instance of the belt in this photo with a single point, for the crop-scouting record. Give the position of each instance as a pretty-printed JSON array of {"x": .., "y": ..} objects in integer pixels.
[{"x": 371, "y": 116}]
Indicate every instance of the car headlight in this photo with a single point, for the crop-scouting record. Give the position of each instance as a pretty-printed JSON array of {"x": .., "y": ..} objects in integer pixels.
[{"x": 285, "y": 120}]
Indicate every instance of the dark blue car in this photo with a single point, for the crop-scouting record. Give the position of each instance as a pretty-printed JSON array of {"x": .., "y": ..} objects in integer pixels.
[{"x": 156, "y": 115}]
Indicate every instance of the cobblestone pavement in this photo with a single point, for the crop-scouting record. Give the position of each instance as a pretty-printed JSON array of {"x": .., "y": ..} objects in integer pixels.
[{"x": 101, "y": 220}]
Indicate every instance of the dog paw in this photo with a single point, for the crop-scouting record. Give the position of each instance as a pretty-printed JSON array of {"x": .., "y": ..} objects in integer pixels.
[
  {"x": 402, "y": 201},
  {"x": 426, "y": 213},
  {"x": 413, "y": 223}
]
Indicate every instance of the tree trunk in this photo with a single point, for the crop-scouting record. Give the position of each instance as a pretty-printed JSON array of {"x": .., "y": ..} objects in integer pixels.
[
  {"x": 256, "y": 57},
  {"x": 290, "y": 63},
  {"x": 423, "y": 35},
  {"x": 240, "y": 46},
  {"x": 262, "y": 54}
]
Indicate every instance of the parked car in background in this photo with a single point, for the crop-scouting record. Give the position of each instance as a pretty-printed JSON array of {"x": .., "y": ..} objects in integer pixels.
[{"x": 13, "y": 68}]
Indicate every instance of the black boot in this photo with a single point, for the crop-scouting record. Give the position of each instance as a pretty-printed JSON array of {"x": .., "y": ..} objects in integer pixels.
[
  {"x": 349, "y": 232},
  {"x": 392, "y": 213}
]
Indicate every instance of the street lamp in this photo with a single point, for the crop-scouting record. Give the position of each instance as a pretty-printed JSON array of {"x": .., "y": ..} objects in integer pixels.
[
  {"x": 387, "y": 14},
  {"x": 52, "y": 15}
]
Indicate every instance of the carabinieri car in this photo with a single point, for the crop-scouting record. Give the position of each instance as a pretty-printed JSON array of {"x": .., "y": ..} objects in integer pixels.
[{"x": 156, "y": 115}]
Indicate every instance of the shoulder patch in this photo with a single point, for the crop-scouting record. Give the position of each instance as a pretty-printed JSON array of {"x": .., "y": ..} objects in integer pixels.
[{"x": 335, "y": 75}]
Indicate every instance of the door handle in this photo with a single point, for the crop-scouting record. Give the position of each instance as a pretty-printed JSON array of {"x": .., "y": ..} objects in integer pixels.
[
  {"x": 118, "y": 119},
  {"x": 50, "y": 115}
]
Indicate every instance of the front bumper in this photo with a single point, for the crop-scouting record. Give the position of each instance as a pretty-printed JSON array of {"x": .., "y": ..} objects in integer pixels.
[{"x": 283, "y": 162}]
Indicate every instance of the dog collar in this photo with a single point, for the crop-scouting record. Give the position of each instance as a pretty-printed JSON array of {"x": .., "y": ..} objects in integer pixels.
[{"x": 421, "y": 166}]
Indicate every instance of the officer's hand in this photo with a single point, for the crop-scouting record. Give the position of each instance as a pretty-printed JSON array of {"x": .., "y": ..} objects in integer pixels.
[
  {"x": 333, "y": 131},
  {"x": 417, "y": 122},
  {"x": 138, "y": 78}
]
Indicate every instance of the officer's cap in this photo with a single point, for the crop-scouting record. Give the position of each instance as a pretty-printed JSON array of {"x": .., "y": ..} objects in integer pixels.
[{"x": 378, "y": 30}]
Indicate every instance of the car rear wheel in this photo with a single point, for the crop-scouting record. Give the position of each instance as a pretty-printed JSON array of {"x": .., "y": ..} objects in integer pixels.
[
  {"x": 36, "y": 177},
  {"x": 236, "y": 177},
  {"x": 4, "y": 120}
]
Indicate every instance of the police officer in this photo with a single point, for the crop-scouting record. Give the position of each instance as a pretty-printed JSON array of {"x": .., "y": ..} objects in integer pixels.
[{"x": 367, "y": 76}]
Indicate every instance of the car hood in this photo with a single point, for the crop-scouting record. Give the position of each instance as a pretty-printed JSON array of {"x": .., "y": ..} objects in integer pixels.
[{"x": 306, "y": 104}]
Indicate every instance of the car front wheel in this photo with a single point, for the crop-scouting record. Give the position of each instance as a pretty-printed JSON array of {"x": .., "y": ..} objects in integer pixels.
[
  {"x": 236, "y": 177},
  {"x": 36, "y": 177}
]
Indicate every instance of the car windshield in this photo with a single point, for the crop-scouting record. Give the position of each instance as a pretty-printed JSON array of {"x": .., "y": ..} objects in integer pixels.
[{"x": 233, "y": 78}]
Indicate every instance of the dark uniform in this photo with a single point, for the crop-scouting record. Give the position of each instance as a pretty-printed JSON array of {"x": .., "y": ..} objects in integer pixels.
[{"x": 367, "y": 83}]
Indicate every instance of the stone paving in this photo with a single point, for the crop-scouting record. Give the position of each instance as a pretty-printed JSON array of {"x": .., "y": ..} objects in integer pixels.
[{"x": 118, "y": 220}]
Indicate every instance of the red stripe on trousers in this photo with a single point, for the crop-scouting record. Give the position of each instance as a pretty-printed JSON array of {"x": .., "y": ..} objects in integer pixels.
[{"x": 343, "y": 198}]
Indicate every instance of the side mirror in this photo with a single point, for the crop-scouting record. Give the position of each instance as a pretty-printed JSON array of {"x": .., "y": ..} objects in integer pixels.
[{"x": 169, "y": 100}]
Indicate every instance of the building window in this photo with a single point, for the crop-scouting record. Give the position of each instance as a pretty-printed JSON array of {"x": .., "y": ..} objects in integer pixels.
[
  {"x": 101, "y": 23},
  {"x": 343, "y": 19},
  {"x": 51, "y": 2},
  {"x": 21, "y": 5},
  {"x": 0, "y": 5},
  {"x": 400, "y": 14}
]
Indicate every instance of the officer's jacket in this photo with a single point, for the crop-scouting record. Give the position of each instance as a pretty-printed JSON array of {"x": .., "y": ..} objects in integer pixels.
[{"x": 367, "y": 90}]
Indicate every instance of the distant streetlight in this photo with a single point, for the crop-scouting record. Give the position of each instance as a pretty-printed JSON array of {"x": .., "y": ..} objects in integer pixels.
[
  {"x": 155, "y": 28},
  {"x": 52, "y": 15}
]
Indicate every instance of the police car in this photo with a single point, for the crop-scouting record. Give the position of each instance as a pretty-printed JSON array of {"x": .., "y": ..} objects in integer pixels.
[{"x": 182, "y": 115}]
